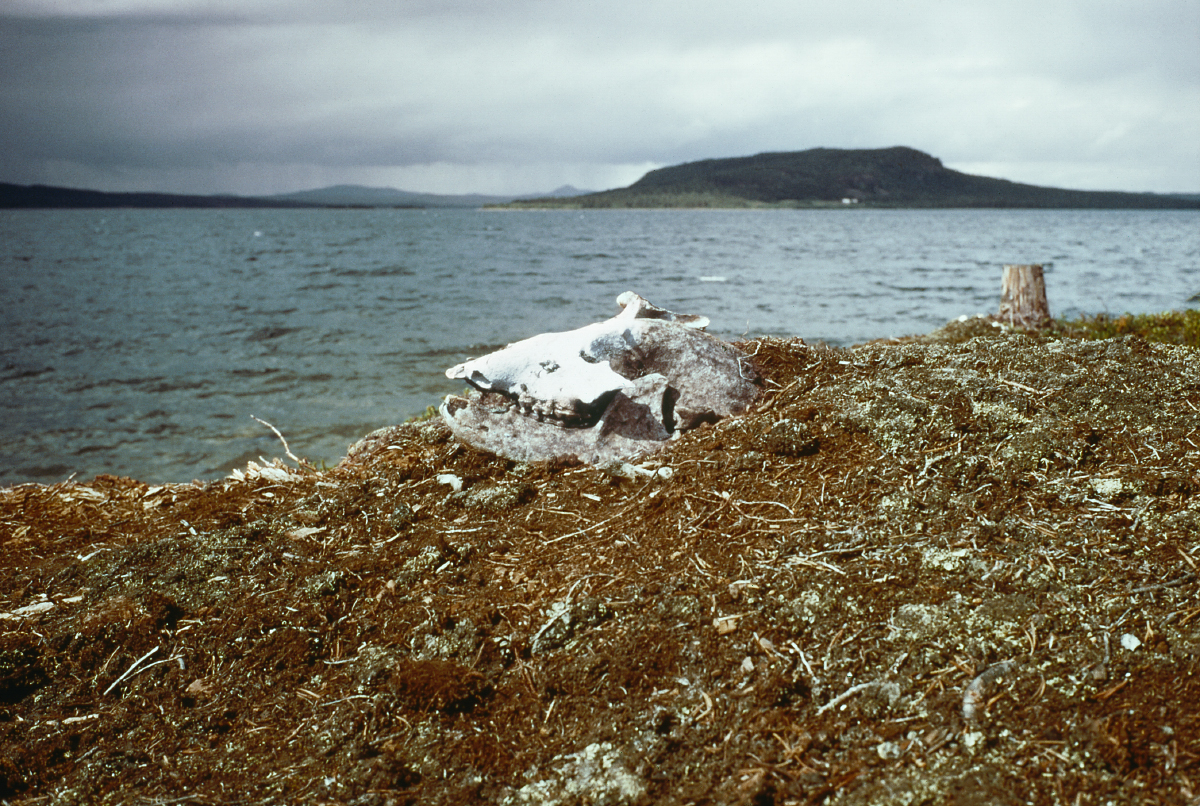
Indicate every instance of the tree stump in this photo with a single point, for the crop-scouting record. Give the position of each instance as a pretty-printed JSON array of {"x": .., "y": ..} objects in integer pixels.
[{"x": 1023, "y": 297}]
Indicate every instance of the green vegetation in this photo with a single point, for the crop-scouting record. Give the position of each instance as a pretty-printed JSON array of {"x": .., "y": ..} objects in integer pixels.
[
  {"x": 1169, "y": 327},
  {"x": 429, "y": 413},
  {"x": 824, "y": 177}
]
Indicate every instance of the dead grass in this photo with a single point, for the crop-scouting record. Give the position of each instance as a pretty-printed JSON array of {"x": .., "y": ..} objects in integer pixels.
[{"x": 958, "y": 571}]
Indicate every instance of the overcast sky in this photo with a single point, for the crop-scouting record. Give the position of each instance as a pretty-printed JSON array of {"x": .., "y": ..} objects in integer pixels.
[{"x": 514, "y": 96}]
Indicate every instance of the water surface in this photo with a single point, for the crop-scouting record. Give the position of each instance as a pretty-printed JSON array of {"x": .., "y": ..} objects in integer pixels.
[{"x": 141, "y": 342}]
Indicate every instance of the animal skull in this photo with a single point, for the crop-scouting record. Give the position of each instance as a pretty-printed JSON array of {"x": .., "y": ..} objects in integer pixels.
[{"x": 609, "y": 390}]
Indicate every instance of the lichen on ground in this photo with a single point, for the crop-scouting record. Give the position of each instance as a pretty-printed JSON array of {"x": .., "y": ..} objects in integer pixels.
[{"x": 955, "y": 569}]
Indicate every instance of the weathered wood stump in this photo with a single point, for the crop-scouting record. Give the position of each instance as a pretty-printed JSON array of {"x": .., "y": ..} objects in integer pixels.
[{"x": 1023, "y": 297}]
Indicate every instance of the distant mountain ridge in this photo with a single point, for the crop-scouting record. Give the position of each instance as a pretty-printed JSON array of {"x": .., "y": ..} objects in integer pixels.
[
  {"x": 899, "y": 177},
  {"x": 44, "y": 196},
  {"x": 884, "y": 177},
  {"x": 362, "y": 196}
]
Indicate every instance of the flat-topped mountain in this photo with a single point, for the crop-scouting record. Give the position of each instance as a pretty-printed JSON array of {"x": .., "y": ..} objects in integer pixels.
[{"x": 883, "y": 177}]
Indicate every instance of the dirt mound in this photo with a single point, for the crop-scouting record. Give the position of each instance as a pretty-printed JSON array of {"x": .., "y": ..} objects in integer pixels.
[{"x": 956, "y": 570}]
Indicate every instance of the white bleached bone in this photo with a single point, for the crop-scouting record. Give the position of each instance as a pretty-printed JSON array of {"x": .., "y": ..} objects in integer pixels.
[
  {"x": 563, "y": 377},
  {"x": 609, "y": 390}
]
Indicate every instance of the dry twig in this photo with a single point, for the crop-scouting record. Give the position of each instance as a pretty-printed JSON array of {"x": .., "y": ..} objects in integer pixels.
[{"x": 286, "y": 449}]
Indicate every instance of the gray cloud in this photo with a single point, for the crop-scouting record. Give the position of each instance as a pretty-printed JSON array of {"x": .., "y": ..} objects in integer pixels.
[{"x": 265, "y": 96}]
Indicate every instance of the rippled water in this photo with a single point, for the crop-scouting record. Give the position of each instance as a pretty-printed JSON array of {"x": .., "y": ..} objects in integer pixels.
[{"x": 140, "y": 342}]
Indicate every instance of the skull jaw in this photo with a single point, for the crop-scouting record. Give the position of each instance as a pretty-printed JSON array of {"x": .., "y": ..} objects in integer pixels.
[{"x": 632, "y": 424}]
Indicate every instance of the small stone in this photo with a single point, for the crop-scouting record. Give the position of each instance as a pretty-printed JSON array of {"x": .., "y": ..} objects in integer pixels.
[
  {"x": 1108, "y": 489},
  {"x": 1130, "y": 641},
  {"x": 972, "y": 739},
  {"x": 889, "y": 750},
  {"x": 450, "y": 479}
]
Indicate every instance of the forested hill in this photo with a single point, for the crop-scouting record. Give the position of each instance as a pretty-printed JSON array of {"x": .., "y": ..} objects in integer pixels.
[{"x": 885, "y": 177}]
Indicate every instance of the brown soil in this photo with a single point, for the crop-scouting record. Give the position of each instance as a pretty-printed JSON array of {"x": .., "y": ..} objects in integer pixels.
[{"x": 794, "y": 613}]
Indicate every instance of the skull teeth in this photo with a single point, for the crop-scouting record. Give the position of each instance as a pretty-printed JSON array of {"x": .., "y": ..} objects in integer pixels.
[{"x": 561, "y": 413}]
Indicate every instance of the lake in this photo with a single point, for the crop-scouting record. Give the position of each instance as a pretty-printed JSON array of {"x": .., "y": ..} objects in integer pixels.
[{"x": 142, "y": 342}]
